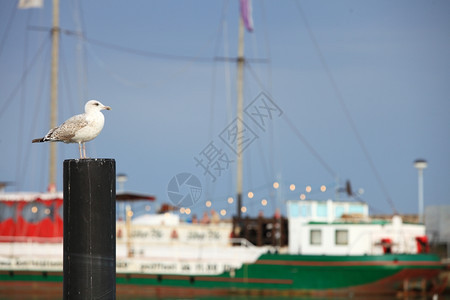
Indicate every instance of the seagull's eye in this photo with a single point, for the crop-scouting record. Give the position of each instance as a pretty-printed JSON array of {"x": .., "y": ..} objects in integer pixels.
[{"x": 96, "y": 103}]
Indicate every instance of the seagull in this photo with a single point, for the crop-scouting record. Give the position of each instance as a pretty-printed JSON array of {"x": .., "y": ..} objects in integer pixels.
[{"x": 79, "y": 129}]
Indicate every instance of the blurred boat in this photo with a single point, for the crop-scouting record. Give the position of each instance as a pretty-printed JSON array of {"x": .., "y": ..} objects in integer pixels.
[{"x": 321, "y": 248}]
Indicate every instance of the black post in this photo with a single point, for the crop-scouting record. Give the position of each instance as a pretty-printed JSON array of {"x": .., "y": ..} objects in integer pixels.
[{"x": 89, "y": 229}]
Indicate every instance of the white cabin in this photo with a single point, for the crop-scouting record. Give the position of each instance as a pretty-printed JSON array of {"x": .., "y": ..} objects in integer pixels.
[{"x": 345, "y": 228}]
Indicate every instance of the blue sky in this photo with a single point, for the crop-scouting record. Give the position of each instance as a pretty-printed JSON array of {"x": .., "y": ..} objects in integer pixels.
[{"x": 386, "y": 61}]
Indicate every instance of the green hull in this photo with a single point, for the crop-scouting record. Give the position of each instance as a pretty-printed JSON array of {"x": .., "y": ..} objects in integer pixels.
[{"x": 275, "y": 274}]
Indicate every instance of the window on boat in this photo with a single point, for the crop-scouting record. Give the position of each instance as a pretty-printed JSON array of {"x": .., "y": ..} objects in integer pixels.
[
  {"x": 356, "y": 209},
  {"x": 339, "y": 211},
  {"x": 7, "y": 211},
  {"x": 293, "y": 209},
  {"x": 35, "y": 212},
  {"x": 315, "y": 237},
  {"x": 305, "y": 210},
  {"x": 322, "y": 210},
  {"x": 341, "y": 237}
]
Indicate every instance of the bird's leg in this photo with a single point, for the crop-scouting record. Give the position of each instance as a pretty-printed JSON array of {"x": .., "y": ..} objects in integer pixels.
[
  {"x": 84, "y": 149},
  {"x": 79, "y": 147}
]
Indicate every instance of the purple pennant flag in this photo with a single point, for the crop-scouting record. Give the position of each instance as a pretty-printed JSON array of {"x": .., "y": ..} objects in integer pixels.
[{"x": 246, "y": 13}]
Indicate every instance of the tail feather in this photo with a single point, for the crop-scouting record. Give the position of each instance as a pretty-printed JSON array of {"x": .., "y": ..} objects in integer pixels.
[
  {"x": 39, "y": 140},
  {"x": 46, "y": 138}
]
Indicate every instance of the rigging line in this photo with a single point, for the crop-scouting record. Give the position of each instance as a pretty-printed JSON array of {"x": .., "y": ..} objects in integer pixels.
[
  {"x": 263, "y": 161},
  {"x": 66, "y": 81},
  {"x": 8, "y": 27},
  {"x": 8, "y": 100},
  {"x": 272, "y": 156},
  {"x": 78, "y": 15},
  {"x": 267, "y": 44},
  {"x": 123, "y": 80},
  {"x": 178, "y": 72},
  {"x": 150, "y": 54},
  {"x": 374, "y": 211},
  {"x": 84, "y": 86},
  {"x": 214, "y": 68},
  {"x": 255, "y": 76},
  {"x": 222, "y": 23},
  {"x": 262, "y": 187},
  {"x": 210, "y": 191},
  {"x": 254, "y": 45},
  {"x": 22, "y": 108},
  {"x": 145, "y": 53},
  {"x": 44, "y": 79},
  {"x": 296, "y": 131},
  {"x": 308, "y": 146},
  {"x": 226, "y": 49},
  {"x": 269, "y": 80},
  {"x": 227, "y": 78},
  {"x": 81, "y": 58},
  {"x": 271, "y": 161},
  {"x": 248, "y": 167},
  {"x": 344, "y": 106},
  {"x": 249, "y": 177},
  {"x": 112, "y": 73},
  {"x": 163, "y": 55},
  {"x": 244, "y": 192}
]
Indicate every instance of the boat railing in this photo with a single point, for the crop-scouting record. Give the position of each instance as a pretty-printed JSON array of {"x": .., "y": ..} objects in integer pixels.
[
  {"x": 241, "y": 242},
  {"x": 30, "y": 239}
]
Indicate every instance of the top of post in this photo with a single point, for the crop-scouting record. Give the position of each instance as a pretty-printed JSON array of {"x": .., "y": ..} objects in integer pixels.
[
  {"x": 420, "y": 164},
  {"x": 90, "y": 161}
]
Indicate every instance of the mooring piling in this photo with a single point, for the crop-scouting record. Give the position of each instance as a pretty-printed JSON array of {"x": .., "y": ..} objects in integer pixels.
[{"x": 89, "y": 229}]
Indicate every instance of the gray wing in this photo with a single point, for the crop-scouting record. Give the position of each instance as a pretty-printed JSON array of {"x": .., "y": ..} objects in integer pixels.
[{"x": 67, "y": 130}]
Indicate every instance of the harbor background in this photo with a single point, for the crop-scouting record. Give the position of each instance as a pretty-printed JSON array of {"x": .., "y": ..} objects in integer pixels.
[
  {"x": 160, "y": 66},
  {"x": 349, "y": 109}
]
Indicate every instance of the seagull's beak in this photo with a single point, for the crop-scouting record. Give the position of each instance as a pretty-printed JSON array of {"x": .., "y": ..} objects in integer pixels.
[{"x": 107, "y": 107}]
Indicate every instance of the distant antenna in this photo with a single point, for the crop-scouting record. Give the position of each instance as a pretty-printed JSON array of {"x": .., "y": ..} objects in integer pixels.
[
  {"x": 348, "y": 188},
  {"x": 349, "y": 191}
]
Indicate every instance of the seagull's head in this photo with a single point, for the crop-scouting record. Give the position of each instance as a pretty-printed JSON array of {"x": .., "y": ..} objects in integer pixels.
[{"x": 94, "y": 105}]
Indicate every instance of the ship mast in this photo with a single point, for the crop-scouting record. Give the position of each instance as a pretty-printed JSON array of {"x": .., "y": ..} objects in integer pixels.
[
  {"x": 240, "y": 104},
  {"x": 54, "y": 93}
]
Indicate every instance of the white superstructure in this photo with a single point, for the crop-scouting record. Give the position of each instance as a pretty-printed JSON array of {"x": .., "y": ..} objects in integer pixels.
[{"x": 345, "y": 228}]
